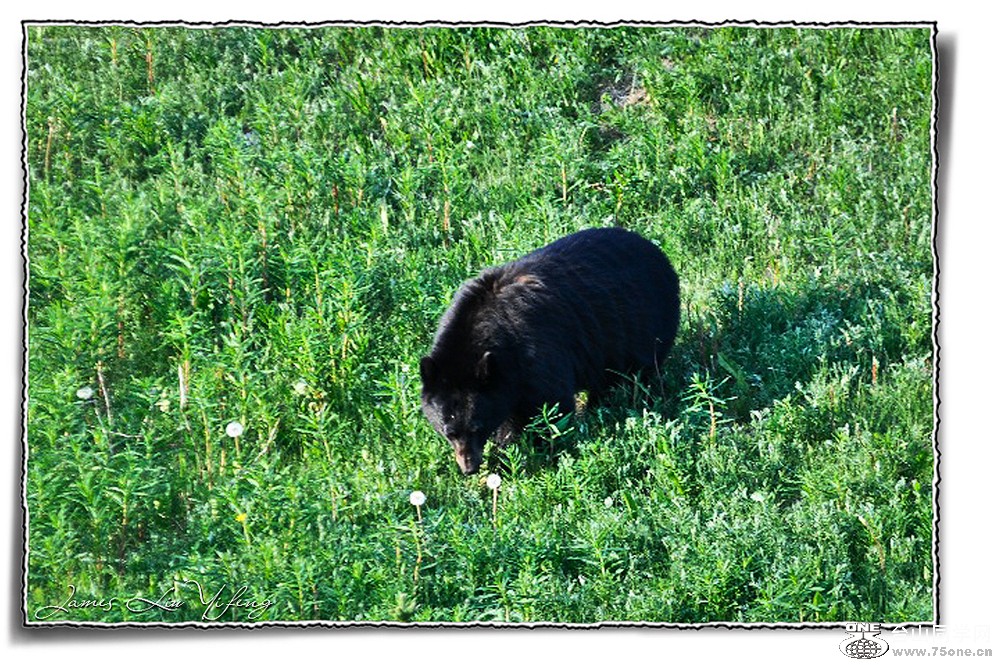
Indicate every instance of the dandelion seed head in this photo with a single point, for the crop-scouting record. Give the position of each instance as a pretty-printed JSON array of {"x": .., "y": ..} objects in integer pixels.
[
  {"x": 234, "y": 429},
  {"x": 608, "y": 502},
  {"x": 417, "y": 498},
  {"x": 85, "y": 393},
  {"x": 493, "y": 481}
]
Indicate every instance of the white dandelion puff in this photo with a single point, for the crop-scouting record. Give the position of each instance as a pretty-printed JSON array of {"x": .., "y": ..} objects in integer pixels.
[
  {"x": 234, "y": 429},
  {"x": 493, "y": 481},
  {"x": 85, "y": 393},
  {"x": 417, "y": 498}
]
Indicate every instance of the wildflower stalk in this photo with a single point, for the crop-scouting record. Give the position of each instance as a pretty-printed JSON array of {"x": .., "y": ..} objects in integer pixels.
[
  {"x": 234, "y": 430},
  {"x": 420, "y": 553},
  {"x": 493, "y": 482},
  {"x": 417, "y": 498}
]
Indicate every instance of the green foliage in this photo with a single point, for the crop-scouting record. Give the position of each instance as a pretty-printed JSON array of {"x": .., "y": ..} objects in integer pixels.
[{"x": 262, "y": 226}]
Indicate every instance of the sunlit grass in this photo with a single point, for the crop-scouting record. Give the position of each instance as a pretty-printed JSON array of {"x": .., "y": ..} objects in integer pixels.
[{"x": 240, "y": 243}]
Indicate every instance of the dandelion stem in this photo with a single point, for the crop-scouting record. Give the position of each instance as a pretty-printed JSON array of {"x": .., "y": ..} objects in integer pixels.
[
  {"x": 420, "y": 553},
  {"x": 417, "y": 499},
  {"x": 493, "y": 482},
  {"x": 495, "y": 490}
]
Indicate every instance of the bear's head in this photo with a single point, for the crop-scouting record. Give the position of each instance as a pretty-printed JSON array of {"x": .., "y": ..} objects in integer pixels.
[{"x": 465, "y": 405}]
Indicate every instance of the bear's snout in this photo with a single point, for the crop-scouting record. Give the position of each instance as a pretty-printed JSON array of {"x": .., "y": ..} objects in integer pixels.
[{"x": 468, "y": 458}]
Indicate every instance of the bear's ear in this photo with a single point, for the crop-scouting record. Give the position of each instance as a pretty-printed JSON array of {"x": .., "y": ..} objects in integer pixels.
[
  {"x": 428, "y": 370},
  {"x": 486, "y": 368}
]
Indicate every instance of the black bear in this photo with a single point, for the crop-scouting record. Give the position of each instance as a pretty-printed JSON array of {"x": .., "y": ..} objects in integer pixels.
[{"x": 574, "y": 315}]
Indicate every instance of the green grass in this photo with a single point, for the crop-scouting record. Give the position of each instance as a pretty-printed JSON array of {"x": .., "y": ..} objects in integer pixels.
[{"x": 264, "y": 226}]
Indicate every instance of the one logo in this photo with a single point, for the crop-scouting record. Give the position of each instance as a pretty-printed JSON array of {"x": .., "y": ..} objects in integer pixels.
[{"x": 864, "y": 641}]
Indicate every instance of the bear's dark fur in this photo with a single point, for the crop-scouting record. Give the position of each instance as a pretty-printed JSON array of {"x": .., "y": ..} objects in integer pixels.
[{"x": 571, "y": 316}]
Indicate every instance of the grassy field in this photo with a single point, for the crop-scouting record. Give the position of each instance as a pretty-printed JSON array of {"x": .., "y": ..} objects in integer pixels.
[{"x": 262, "y": 227}]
